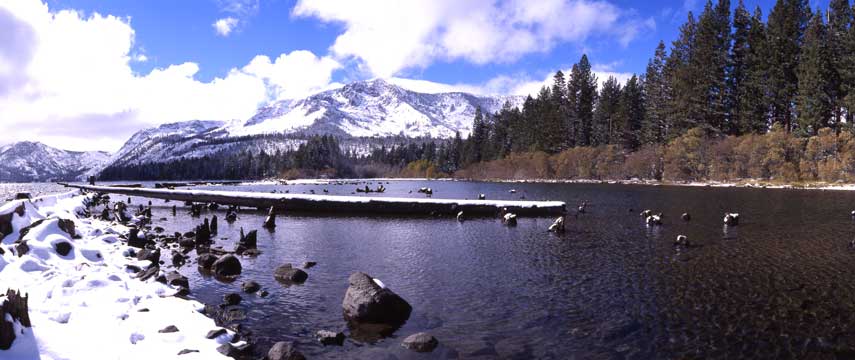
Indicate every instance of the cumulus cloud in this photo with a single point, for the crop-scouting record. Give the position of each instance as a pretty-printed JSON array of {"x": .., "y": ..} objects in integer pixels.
[
  {"x": 66, "y": 76},
  {"x": 292, "y": 75},
  {"x": 224, "y": 26},
  {"x": 389, "y": 36}
]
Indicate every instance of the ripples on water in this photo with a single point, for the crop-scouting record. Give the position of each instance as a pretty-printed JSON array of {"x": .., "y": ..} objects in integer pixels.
[{"x": 779, "y": 285}]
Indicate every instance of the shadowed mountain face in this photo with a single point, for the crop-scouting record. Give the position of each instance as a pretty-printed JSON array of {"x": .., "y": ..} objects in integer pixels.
[{"x": 33, "y": 161}]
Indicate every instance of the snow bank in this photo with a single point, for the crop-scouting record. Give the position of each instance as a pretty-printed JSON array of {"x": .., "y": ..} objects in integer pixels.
[{"x": 84, "y": 304}]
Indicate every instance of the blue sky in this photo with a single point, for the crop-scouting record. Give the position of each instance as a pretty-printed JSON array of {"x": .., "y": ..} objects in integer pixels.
[
  {"x": 106, "y": 69},
  {"x": 172, "y": 32}
]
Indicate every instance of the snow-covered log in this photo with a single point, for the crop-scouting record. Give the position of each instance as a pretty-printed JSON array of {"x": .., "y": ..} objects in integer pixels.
[{"x": 342, "y": 204}]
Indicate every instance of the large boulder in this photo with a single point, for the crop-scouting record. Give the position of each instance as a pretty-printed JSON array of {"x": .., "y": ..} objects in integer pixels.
[
  {"x": 284, "y": 351},
  {"x": 290, "y": 275},
  {"x": 228, "y": 265},
  {"x": 368, "y": 301}
]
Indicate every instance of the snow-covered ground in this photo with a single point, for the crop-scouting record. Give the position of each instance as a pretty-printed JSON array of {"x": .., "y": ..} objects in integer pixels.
[{"x": 86, "y": 304}]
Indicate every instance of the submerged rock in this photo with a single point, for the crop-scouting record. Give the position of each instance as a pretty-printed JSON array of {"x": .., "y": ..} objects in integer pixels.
[
  {"x": 420, "y": 342},
  {"x": 290, "y": 275},
  {"x": 284, "y": 351},
  {"x": 232, "y": 299},
  {"x": 228, "y": 265},
  {"x": 366, "y": 301}
]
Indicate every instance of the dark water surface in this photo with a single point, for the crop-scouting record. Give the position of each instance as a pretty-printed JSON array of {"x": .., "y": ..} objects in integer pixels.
[{"x": 779, "y": 285}]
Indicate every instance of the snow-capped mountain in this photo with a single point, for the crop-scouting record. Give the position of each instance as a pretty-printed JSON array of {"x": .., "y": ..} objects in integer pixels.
[
  {"x": 361, "y": 113},
  {"x": 33, "y": 161},
  {"x": 374, "y": 108}
]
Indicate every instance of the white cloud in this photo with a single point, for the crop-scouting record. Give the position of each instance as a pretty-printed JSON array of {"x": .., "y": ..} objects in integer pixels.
[
  {"x": 224, "y": 26},
  {"x": 295, "y": 74},
  {"x": 65, "y": 79},
  {"x": 390, "y": 36},
  {"x": 239, "y": 7}
]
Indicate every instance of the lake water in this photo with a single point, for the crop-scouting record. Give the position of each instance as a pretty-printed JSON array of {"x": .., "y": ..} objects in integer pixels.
[{"x": 779, "y": 285}]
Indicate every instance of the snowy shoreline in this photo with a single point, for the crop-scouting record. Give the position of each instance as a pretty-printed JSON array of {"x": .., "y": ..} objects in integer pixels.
[
  {"x": 746, "y": 183},
  {"x": 88, "y": 304}
]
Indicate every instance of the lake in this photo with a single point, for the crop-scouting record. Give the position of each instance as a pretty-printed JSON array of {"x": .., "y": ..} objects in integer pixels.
[{"x": 781, "y": 284}]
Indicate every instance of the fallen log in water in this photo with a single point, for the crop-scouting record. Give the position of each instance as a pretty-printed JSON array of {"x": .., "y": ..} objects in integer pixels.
[
  {"x": 169, "y": 185},
  {"x": 340, "y": 204}
]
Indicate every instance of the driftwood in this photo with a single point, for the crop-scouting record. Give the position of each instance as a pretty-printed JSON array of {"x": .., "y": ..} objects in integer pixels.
[
  {"x": 342, "y": 204},
  {"x": 15, "y": 306}
]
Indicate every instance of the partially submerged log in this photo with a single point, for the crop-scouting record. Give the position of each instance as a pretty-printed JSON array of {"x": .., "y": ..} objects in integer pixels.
[{"x": 342, "y": 204}]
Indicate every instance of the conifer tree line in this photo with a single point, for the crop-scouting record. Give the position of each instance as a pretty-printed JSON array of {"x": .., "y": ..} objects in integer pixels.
[{"x": 729, "y": 74}]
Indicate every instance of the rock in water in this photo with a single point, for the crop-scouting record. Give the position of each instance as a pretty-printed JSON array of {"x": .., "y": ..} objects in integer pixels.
[
  {"x": 420, "y": 342},
  {"x": 228, "y": 265},
  {"x": 214, "y": 225},
  {"x": 231, "y": 299},
  {"x": 250, "y": 287},
  {"x": 686, "y": 217},
  {"x": 284, "y": 351},
  {"x": 290, "y": 275},
  {"x": 731, "y": 219},
  {"x": 368, "y": 302},
  {"x": 327, "y": 337},
  {"x": 205, "y": 261}
]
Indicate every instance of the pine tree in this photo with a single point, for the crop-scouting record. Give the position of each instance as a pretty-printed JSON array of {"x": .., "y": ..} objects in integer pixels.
[
  {"x": 605, "y": 116},
  {"x": 586, "y": 99},
  {"x": 630, "y": 113},
  {"x": 815, "y": 102},
  {"x": 709, "y": 66},
  {"x": 656, "y": 94},
  {"x": 753, "y": 106},
  {"x": 840, "y": 19},
  {"x": 785, "y": 29},
  {"x": 738, "y": 68},
  {"x": 682, "y": 110}
]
